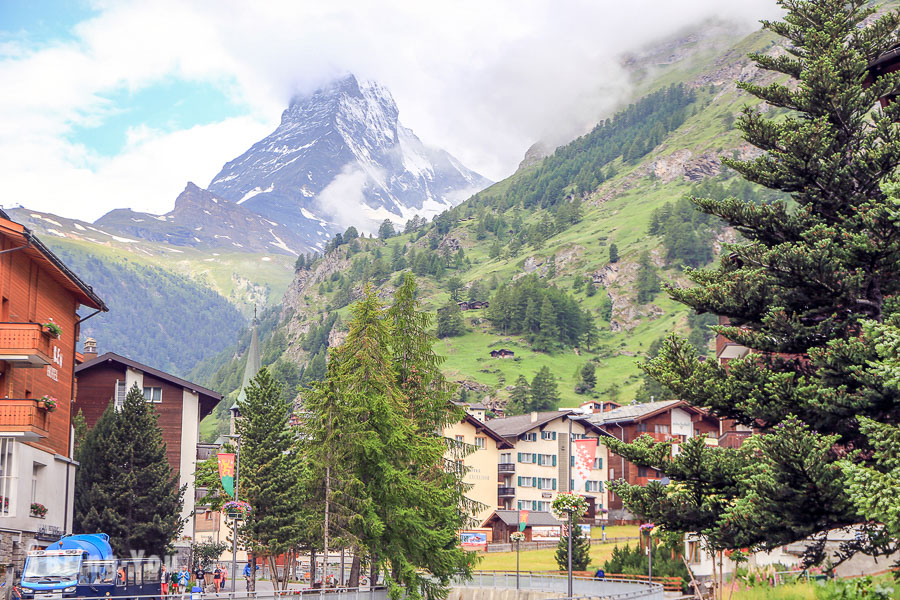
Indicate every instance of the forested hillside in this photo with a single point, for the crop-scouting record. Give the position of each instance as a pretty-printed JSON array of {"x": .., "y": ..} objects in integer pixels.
[
  {"x": 571, "y": 254},
  {"x": 155, "y": 316}
]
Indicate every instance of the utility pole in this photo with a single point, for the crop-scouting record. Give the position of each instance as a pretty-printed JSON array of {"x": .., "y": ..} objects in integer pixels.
[
  {"x": 234, "y": 522},
  {"x": 570, "y": 539}
]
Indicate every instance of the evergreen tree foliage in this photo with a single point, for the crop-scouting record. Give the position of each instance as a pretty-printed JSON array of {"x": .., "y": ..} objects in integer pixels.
[
  {"x": 544, "y": 393},
  {"x": 799, "y": 292},
  {"x": 633, "y": 560},
  {"x": 648, "y": 283},
  {"x": 125, "y": 486},
  {"x": 402, "y": 506},
  {"x": 581, "y": 550},
  {"x": 588, "y": 379},
  {"x": 270, "y": 471},
  {"x": 386, "y": 230},
  {"x": 450, "y": 321},
  {"x": 519, "y": 397},
  {"x": 547, "y": 315},
  {"x": 613, "y": 253}
]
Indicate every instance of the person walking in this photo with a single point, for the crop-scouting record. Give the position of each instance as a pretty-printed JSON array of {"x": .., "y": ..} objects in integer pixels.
[
  {"x": 200, "y": 574},
  {"x": 163, "y": 581},
  {"x": 173, "y": 579},
  {"x": 224, "y": 575},
  {"x": 247, "y": 576},
  {"x": 184, "y": 580},
  {"x": 217, "y": 578}
]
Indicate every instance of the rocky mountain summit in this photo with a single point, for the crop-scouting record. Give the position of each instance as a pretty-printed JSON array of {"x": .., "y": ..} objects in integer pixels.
[{"x": 341, "y": 157}]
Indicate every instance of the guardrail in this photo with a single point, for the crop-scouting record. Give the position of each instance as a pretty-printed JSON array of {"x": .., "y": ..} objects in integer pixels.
[
  {"x": 582, "y": 587},
  {"x": 524, "y": 546},
  {"x": 369, "y": 593}
]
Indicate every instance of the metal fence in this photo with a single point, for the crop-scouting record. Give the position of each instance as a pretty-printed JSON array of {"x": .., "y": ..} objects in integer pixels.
[
  {"x": 367, "y": 593},
  {"x": 582, "y": 587}
]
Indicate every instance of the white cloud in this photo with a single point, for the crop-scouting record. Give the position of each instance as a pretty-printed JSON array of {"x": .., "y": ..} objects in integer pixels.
[{"x": 482, "y": 80}]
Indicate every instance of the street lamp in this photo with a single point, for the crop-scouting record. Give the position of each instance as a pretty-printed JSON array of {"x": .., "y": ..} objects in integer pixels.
[
  {"x": 517, "y": 536},
  {"x": 237, "y": 466}
]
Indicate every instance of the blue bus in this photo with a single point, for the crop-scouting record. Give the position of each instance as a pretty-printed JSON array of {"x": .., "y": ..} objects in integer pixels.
[{"x": 83, "y": 566}]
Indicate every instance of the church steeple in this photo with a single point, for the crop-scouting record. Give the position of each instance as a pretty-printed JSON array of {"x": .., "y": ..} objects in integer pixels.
[{"x": 250, "y": 370}]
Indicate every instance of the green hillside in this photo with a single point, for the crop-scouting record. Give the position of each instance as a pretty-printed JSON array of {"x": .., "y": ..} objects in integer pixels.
[{"x": 623, "y": 184}]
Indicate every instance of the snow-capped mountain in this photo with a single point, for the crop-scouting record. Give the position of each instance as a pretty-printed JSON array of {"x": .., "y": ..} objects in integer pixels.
[{"x": 341, "y": 157}]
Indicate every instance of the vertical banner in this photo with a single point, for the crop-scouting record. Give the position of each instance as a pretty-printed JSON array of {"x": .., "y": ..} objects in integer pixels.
[
  {"x": 585, "y": 450},
  {"x": 226, "y": 472},
  {"x": 523, "y": 519}
]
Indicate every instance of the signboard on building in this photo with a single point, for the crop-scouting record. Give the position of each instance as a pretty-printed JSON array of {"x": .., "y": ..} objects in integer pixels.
[
  {"x": 545, "y": 533},
  {"x": 469, "y": 539}
]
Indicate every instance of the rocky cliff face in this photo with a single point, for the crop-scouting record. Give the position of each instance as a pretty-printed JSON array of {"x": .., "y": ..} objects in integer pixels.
[
  {"x": 341, "y": 157},
  {"x": 202, "y": 219}
]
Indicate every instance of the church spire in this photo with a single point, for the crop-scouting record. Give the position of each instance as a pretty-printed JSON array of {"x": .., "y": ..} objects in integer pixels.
[{"x": 252, "y": 367}]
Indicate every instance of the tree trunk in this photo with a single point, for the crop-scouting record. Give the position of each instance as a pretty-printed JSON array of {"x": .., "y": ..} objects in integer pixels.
[
  {"x": 312, "y": 567},
  {"x": 252, "y": 585},
  {"x": 354, "y": 569},
  {"x": 373, "y": 570}
]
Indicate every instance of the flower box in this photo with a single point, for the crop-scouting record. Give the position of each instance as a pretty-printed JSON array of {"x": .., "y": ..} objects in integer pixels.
[{"x": 38, "y": 510}]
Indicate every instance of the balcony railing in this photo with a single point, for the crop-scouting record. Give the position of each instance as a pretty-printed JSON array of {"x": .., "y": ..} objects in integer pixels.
[
  {"x": 25, "y": 344},
  {"x": 22, "y": 415},
  {"x": 506, "y": 492},
  {"x": 506, "y": 468},
  {"x": 663, "y": 437}
]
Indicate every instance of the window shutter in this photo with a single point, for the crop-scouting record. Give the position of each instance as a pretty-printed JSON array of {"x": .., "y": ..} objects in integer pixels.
[
  {"x": 554, "y": 435},
  {"x": 534, "y": 458},
  {"x": 571, "y": 461},
  {"x": 520, "y": 457},
  {"x": 554, "y": 483},
  {"x": 539, "y": 483},
  {"x": 599, "y": 463},
  {"x": 554, "y": 460},
  {"x": 520, "y": 481}
]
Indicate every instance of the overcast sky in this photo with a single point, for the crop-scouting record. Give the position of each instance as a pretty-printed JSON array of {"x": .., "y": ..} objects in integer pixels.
[{"x": 113, "y": 104}]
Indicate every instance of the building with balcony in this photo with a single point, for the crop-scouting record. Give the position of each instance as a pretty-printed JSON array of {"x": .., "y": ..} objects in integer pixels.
[
  {"x": 665, "y": 421},
  {"x": 482, "y": 451},
  {"x": 39, "y": 326},
  {"x": 180, "y": 404},
  {"x": 539, "y": 465}
]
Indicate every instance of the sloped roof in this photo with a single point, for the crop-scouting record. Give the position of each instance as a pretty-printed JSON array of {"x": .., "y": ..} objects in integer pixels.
[
  {"x": 638, "y": 412},
  {"x": 519, "y": 424},
  {"x": 511, "y": 517},
  {"x": 33, "y": 247},
  {"x": 113, "y": 357},
  {"x": 481, "y": 427}
]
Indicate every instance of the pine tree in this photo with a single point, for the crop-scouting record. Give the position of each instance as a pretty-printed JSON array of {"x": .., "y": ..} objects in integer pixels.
[
  {"x": 613, "y": 253},
  {"x": 402, "y": 506},
  {"x": 549, "y": 331},
  {"x": 125, "y": 486},
  {"x": 799, "y": 292},
  {"x": 269, "y": 472},
  {"x": 450, "y": 321},
  {"x": 647, "y": 284},
  {"x": 588, "y": 378},
  {"x": 544, "y": 394},
  {"x": 581, "y": 550},
  {"x": 386, "y": 230},
  {"x": 519, "y": 397}
]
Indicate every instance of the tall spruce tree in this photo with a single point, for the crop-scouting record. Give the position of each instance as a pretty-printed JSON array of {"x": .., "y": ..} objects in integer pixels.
[
  {"x": 519, "y": 397},
  {"x": 798, "y": 291},
  {"x": 581, "y": 550},
  {"x": 403, "y": 506},
  {"x": 125, "y": 486},
  {"x": 544, "y": 393},
  {"x": 269, "y": 473}
]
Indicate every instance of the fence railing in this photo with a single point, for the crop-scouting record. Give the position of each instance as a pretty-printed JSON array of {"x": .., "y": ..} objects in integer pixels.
[
  {"x": 582, "y": 587},
  {"x": 523, "y": 546},
  {"x": 369, "y": 593}
]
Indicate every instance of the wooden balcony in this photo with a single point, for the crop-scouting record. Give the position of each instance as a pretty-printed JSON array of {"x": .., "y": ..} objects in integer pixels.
[
  {"x": 506, "y": 468},
  {"x": 664, "y": 437},
  {"x": 21, "y": 417},
  {"x": 25, "y": 344}
]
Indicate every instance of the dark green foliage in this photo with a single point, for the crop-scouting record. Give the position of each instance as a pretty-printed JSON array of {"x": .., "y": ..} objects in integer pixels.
[
  {"x": 632, "y": 560},
  {"x": 701, "y": 332},
  {"x": 613, "y": 253},
  {"x": 450, "y": 321},
  {"x": 547, "y": 315},
  {"x": 798, "y": 291},
  {"x": 588, "y": 379},
  {"x": 651, "y": 390},
  {"x": 167, "y": 305},
  {"x": 647, "y": 284},
  {"x": 581, "y": 550},
  {"x": 630, "y": 134},
  {"x": 544, "y": 393},
  {"x": 125, "y": 486},
  {"x": 454, "y": 286},
  {"x": 270, "y": 469},
  {"x": 386, "y": 230},
  {"x": 519, "y": 397}
]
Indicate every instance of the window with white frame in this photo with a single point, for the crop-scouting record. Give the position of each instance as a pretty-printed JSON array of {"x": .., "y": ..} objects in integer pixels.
[
  {"x": 598, "y": 463},
  {"x": 480, "y": 443},
  {"x": 528, "y": 437},
  {"x": 460, "y": 439},
  {"x": 526, "y": 482},
  {"x": 593, "y": 486},
  {"x": 546, "y": 460},
  {"x": 527, "y": 458},
  {"x": 548, "y": 435},
  {"x": 120, "y": 393},
  {"x": 506, "y": 458},
  {"x": 545, "y": 483},
  {"x": 153, "y": 394},
  {"x": 7, "y": 477}
]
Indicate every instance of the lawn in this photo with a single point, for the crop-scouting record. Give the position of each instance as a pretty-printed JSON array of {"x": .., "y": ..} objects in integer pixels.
[{"x": 544, "y": 560}]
